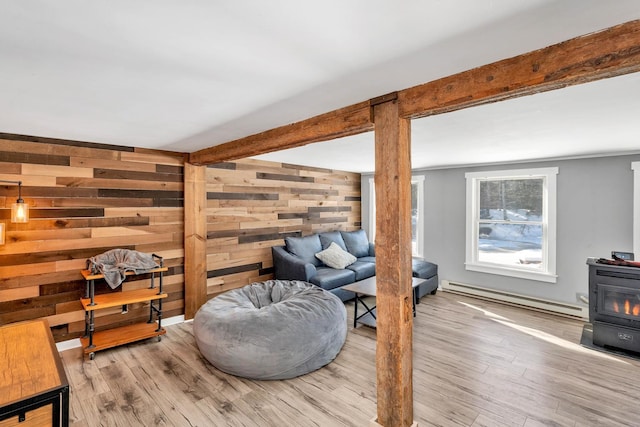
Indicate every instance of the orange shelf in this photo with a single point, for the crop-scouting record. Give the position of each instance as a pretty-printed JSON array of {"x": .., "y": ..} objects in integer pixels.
[
  {"x": 89, "y": 276},
  {"x": 122, "y": 335},
  {"x": 116, "y": 299}
]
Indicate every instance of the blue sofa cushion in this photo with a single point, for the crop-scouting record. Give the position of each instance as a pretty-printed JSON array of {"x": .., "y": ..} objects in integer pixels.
[
  {"x": 332, "y": 236},
  {"x": 305, "y": 248},
  {"x": 367, "y": 259},
  {"x": 357, "y": 242},
  {"x": 329, "y": 278},
  {"x": 363, "y": 269}
]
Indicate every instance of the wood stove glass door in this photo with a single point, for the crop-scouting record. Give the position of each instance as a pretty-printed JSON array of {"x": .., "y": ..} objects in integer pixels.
[{"x": 619, "y": 301}]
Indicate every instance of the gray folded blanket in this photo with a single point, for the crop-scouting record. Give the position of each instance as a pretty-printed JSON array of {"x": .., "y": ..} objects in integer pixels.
[{"x": 115, "y": 263}]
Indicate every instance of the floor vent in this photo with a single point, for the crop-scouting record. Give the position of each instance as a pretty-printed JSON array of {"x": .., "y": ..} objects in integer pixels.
[{"x": 569, "y": 310}]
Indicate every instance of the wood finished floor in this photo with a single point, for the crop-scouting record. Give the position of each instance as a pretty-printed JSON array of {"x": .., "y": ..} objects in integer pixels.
[{"x": 476, "y": 363}]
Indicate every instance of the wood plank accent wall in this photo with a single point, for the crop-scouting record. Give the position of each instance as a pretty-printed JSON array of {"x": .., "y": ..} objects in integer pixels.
[
  {"x": 253, "y": 205},
  {"x": 85, "y": 199}
]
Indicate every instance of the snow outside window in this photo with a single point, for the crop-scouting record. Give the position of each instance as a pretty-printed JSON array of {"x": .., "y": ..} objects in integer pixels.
[{"x": 511, "y": 223}]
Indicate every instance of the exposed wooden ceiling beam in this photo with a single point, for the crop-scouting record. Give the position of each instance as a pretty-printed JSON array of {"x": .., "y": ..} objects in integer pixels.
[
  {"x": 346, "y": 121},
  {"x": 608, "y": 53}
]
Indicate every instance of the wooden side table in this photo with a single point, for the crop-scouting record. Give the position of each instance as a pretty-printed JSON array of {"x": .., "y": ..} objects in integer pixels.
[{"x": 34, "y": 390}]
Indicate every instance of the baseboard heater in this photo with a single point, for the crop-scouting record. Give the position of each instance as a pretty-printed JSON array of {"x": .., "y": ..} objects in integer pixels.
[{"x": 533, "y": 303}]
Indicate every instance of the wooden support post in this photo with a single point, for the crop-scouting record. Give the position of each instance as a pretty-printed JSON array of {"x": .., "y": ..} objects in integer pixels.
[
  {"x": 195, "y": 239},
  {"x": 394, "y": 351}
]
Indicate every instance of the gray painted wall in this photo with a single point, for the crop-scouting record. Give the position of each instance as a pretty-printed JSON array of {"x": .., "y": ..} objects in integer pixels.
[{"x": 594, "y": 216}]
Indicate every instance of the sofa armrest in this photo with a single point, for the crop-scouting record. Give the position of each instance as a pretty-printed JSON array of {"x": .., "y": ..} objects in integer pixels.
[
  {"x": 289, "y": 267},
  {"x": 372, "y": 249}
]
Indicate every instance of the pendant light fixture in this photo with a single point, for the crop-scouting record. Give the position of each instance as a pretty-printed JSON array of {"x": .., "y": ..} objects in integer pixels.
[{"x": 19, "y": 209}]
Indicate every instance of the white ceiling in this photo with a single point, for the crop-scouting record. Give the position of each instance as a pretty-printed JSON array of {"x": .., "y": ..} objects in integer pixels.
[
  {"x": 598, "y": 118},
  {"x": 192, "y": 74}
]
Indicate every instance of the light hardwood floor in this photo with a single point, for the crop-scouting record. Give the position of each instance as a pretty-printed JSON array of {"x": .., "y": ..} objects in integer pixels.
[{"x": 476, "y": 363}]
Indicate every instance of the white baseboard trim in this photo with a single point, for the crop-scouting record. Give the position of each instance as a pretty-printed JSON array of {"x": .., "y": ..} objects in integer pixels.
[
  {"x": 75, "y": 343},
  {"x": 173, "y": 320},
  {"x": 533, "y": 303},
  {"x": 68, "y": 345}
]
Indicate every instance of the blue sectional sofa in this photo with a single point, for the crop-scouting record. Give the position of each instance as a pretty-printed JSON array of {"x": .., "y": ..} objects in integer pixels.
[{"x": 297, "y": 260}]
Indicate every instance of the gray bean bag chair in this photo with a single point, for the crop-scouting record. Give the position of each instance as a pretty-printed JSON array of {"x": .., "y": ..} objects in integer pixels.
[{"x": 271, "y": 330}]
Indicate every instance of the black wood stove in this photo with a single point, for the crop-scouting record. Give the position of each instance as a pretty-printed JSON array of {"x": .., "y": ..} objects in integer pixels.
[{"x": 614, "y": 305}]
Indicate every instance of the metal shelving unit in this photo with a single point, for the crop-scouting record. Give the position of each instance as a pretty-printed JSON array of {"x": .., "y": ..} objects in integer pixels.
[{"x": 95, "y": 341}]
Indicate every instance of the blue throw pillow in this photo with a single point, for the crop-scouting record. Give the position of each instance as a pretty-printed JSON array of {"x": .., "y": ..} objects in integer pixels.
[
  {"x": 305, "y": 248},
  {"x": 332, "y": 237},
  {"x": 357, "y": 242}
]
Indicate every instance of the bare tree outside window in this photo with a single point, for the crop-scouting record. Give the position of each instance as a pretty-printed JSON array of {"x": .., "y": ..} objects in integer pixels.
[{"x": 510, "y": 224}]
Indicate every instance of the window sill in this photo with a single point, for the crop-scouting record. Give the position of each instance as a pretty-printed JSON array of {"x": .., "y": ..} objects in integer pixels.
[{"x": 512, "y": 272}]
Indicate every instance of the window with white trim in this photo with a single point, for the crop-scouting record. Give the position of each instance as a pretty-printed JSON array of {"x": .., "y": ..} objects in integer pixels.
[
  {"x": 511, "y": 223},
  {"x": 417, "y": 213}
]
